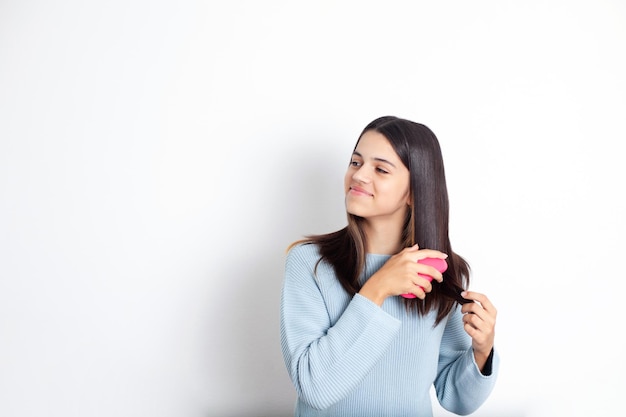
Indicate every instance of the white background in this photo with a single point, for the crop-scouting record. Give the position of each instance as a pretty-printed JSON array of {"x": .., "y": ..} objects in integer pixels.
[{"x": 157, "y": 157}]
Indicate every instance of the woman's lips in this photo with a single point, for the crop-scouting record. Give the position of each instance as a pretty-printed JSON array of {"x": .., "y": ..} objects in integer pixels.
[{"x": 359, "y": 191}]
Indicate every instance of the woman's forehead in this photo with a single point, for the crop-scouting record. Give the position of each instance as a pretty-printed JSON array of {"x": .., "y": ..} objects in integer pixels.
[{"x": 375, "y": 145}]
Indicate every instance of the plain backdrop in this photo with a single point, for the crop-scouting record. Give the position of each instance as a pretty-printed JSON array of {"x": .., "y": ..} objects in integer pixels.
[{"x": 157, "y": 157}]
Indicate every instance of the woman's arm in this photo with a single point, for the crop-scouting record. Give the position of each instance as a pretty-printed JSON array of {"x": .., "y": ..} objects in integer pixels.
[
  {"x": 326, "y": 362},
  {"x": 463, "y": 384}
]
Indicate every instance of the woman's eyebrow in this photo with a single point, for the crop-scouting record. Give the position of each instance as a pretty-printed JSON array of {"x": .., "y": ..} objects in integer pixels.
[
  {"x": 375, "y": 159},
  {"x": 385, "y": 161}
]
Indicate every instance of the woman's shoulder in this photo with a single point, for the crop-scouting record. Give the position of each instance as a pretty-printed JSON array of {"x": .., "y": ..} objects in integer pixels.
[{"x": 303, "y": 251}]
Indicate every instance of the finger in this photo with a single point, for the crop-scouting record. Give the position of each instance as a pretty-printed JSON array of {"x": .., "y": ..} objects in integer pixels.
[
  {"x": 478, "y": 337},
  {"x": 484, "y": 327},
  {"x": 477, "y": 310},
  {"x": 423, "y": 283},
  {"x": 475, "y": 323},
  {"x": 474, "y": 320},
  {"x": 471, "y": 330},
  {"x": 419, "y": 287},
  {"x": 418, "y": 291},
  {"x": 479, "y": 331},
  {"x": 413, "y": 287},
  {"x": 430, "y": 253},
  {"x": 476, "y": 296},
  {"x": 413, "y": 248},
  {"x": 429, "y": 272},
  {"x": 482, "y": 299},
  {"x": 473, "y": 308}
]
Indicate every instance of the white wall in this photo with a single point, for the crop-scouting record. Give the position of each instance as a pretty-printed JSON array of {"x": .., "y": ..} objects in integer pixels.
[{"x": 156, "y": 158}]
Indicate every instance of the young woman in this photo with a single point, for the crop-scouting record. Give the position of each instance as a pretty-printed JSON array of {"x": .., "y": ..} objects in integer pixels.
[{"x": 353, "y": 345}]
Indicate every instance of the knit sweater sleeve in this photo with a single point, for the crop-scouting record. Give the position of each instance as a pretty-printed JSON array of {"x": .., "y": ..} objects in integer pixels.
[
  {"x": 461, "y": 387},
  {"x": 327, "y": 361}
]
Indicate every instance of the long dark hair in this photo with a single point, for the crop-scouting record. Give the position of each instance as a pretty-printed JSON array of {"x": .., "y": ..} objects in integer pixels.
[{"x": 426, "y": 222}]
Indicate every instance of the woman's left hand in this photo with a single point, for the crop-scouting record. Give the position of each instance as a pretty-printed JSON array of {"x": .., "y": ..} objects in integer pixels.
[{"x": 479, "y": 321}]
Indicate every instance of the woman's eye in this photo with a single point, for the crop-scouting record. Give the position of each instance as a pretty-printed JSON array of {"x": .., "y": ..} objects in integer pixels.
[
  {"x": 355, "y": 163},
  {"x": 382, "y": 171}
]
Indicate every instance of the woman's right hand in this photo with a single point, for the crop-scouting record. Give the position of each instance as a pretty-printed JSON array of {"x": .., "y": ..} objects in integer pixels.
[{"x": 399, "y": 275}]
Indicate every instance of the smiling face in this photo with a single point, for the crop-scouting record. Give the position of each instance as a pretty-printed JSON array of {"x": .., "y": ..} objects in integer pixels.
[{"x": 377, "y": 182}]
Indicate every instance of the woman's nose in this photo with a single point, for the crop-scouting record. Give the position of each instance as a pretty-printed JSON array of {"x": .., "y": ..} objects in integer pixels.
[{"x": 361, "y": 175}]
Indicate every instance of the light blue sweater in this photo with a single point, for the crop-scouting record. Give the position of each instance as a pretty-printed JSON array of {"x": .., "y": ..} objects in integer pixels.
[{"x": 349, "y": 357}]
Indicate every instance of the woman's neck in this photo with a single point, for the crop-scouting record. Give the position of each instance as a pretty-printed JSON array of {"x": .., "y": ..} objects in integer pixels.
[{"x": 383, "y": 238}]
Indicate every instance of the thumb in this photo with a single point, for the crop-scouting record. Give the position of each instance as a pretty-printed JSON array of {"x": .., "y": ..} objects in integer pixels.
[{"x": 413, "y": 248}]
